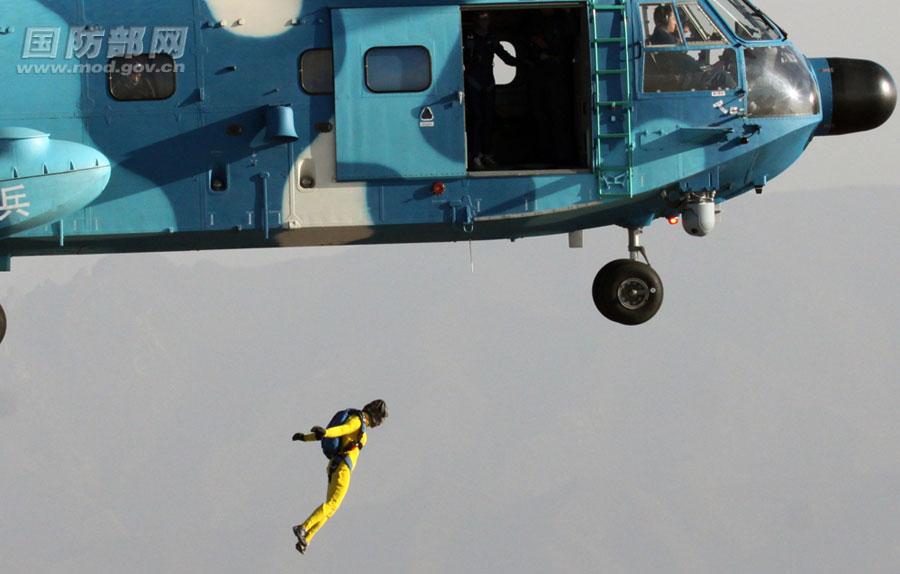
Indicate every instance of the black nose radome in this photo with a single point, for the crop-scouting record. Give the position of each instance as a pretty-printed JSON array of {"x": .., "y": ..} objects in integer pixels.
[{"x": 863, "y": 95}]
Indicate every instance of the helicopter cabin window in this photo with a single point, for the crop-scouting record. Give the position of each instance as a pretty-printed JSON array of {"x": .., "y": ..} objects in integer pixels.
[
  {"x": 527, "y": 77},
  {"x": 670, "y": 65},
  {"x": 398, "y": 69},
  {"x": 745, "y": 20},
  {"x": 142, "y": 77},
  {"x": 317, "y": 71}
]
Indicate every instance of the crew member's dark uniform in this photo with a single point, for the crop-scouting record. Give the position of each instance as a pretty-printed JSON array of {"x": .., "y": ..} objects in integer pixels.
[
  {"x": 550, "y": 52},
  {"x": 662, "y": 37},
  {"x": 479, "y": 52},
  {"x": 669, "y": 71},
  {"x": 134, "y": 87}
]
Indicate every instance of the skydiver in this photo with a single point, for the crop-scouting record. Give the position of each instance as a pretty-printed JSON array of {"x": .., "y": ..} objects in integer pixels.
[
  {"x": 480, "y": 47},
  {"x": 341, "y": 441}
]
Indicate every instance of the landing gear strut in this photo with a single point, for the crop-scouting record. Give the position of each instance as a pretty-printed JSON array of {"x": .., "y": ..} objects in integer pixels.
[{"x": 629, "y": 291}]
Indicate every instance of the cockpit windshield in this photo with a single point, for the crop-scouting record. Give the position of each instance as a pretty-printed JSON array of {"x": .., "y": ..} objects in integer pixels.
[
  {"x": 747, "y": 22},
  {"x": 779, "y": 83}
]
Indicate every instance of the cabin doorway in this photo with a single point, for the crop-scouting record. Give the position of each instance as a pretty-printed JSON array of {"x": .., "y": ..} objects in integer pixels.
[{"x": 527, "y": 86}]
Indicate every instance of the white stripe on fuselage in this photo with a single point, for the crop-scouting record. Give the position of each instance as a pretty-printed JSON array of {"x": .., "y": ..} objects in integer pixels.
[
  {"x": 329, "y": 203},
  {"x": 259, "y": 18}
]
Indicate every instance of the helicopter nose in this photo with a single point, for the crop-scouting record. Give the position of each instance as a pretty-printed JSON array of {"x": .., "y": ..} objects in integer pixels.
[{"x": 857, "y": 95}]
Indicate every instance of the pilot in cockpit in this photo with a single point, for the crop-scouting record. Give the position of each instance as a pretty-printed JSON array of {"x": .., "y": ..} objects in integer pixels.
[
  {"x": 666, "y": 32},
  {"x": 668, "y": 71}
]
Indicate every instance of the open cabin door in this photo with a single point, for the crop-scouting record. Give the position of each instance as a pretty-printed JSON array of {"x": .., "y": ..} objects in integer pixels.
[{"x": 398, "y": 88}]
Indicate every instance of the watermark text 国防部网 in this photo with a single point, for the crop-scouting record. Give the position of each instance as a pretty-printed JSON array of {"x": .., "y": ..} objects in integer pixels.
[{"x": 86, "y": 43}]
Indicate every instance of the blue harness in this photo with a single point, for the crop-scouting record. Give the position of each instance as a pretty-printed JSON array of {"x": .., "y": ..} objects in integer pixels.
[{"x": 331, "y": 447}]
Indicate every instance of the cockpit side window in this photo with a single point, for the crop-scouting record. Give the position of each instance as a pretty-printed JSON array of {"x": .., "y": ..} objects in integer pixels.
[
  {"x": 745, "y": 20},
  {"x": 670, "y": 63},
  {"x": 710, "y": 70},
  {"x": 661, "y": 25},
  {"x": 697, "y": 26}
]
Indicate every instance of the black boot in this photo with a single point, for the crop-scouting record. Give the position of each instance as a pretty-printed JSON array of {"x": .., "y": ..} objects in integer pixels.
[{"x": 301, "y": 534}]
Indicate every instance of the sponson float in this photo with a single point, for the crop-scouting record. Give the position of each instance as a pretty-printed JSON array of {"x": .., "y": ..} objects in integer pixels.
[
  {"x": 43, "y": 181},
  {"x": 276, "y": 123}
]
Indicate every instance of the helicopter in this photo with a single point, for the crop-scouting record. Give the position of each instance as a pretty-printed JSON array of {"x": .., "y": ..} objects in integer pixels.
[{"x": 186, "y": 125}]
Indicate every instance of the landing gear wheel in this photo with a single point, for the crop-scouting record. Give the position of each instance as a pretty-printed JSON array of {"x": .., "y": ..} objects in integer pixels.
[
  {"x": 2, "y": 324},
  {"x": 628, "y": 292}
]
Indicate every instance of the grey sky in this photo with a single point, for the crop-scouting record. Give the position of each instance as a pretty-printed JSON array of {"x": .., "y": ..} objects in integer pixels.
[{"x": 147, "y": 402}]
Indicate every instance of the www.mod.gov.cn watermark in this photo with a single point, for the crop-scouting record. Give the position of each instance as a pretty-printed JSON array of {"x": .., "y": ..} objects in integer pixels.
[{"x": 80, "y": 45}]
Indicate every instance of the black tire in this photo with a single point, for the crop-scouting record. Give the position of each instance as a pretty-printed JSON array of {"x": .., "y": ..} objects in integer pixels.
[
  {"x": 628, "y": 292},
  {"x": 2, "y": 323}
]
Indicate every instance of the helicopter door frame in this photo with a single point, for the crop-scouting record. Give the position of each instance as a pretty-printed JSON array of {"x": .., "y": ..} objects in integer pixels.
[{"x": 579, "y": 86}]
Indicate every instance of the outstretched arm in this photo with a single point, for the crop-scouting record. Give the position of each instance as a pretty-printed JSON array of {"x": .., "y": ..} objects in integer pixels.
[
  {"x": 315, "y": 433},
  {"x": 507, "y": 58},
  {"x": 350, "y": 427}
]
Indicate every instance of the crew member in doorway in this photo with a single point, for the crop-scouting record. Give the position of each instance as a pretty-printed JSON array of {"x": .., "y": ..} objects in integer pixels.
[
  {"x": 550, "y": 53},
  {"x": 341, "y": 442},
  {"x": 480, "y": 46}
]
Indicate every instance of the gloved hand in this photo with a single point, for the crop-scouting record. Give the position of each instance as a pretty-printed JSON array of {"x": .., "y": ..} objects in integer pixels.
[
  {"x": 319, "y": 432},
  {"x": 297, "y": 436}
]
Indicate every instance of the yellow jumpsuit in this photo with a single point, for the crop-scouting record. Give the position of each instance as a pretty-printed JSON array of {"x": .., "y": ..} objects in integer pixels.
[{"x": 350, "y": 433}]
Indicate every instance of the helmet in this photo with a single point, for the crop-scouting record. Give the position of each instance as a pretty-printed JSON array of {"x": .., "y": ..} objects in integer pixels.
[{"x": 376, "y": 411}]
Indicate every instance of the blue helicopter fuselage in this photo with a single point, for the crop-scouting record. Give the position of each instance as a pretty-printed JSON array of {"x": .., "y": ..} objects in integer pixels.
[{"x": 210, "y": 124}]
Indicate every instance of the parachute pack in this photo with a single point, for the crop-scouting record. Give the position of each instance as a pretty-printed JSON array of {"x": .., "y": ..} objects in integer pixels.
[{"x": 331, "y": 447}]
